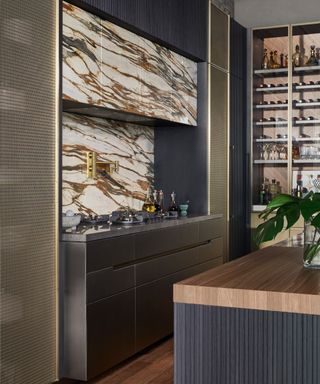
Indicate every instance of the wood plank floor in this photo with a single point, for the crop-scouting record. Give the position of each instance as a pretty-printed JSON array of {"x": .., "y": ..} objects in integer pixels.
[{"x": 154, "y": 366}]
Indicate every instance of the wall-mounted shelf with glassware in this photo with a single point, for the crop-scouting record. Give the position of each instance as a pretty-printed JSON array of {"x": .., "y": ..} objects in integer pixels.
[{"x": 285, "y": 110}]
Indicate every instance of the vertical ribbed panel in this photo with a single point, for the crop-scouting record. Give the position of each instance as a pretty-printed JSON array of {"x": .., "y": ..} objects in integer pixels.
[
  {"x": 28, "y": 33},
  {"x": 215, "y": 345}
]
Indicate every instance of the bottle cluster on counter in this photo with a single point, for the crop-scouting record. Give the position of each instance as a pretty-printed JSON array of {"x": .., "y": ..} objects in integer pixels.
[
  {"x": 269, "y": 190},
  {"x": 154, "y": 204}
]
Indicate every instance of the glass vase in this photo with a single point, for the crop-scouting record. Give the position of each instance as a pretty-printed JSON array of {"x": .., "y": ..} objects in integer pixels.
[{"x": 311, "y": 251}]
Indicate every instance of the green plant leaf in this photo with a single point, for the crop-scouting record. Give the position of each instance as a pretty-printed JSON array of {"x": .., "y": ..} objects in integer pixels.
[
  {"x": 309, "y": 207},
  {"x": 279, "y": 223},
  {"x": 316, "y": 221},
  {"x": 281, "y": 200},
  {"x": 292, "y": 214}
]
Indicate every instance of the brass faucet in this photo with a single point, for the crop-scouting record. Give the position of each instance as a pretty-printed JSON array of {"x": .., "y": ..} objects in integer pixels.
[{"x": 102, "y": 166}]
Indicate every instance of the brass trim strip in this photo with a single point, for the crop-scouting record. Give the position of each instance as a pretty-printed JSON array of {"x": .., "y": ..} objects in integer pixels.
[
  {"x": 57, "y": 175},
  {"x": 290, "y": 79},
  {"x": 209, "y": 110}
]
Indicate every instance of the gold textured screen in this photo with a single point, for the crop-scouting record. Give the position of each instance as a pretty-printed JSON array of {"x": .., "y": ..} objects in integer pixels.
[
  {"x": 218, "y": 177},
  {"x": 28, "y": 136}
]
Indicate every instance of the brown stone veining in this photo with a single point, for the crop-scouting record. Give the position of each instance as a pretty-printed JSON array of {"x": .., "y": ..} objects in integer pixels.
[{"x": 130, "y": 144}]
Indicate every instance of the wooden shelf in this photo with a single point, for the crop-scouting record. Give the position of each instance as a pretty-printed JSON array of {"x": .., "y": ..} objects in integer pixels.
[
  {"x": 271, "y": 140},
  {"x": 307, "y": 87},
  {"x": 305, "y": 139},
  {"x": 270, "y": 123},
  {"x": 305, "y": 122},
  {"x": 302, "y": 161},
  {"x": 270, "y": 162},
  {"x": 271, "y": 72},
  {"x": 307, "y": 105},
  {"x": 272, "y": 106},
  {"x": 272, "y": 89},
  {"x": 307, "y": 69}
]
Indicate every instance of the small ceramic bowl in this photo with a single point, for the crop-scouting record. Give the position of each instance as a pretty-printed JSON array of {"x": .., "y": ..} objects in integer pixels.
[{"x": 70, "y": 221}]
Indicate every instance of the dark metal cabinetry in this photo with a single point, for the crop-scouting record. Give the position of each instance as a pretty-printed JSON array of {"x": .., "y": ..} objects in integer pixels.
[
  {"x": 180, "y": 24},
  {"x": 117, "y": 292},
  {"x": 110, "y": 332},
  {"x": 239, "y": 236}
]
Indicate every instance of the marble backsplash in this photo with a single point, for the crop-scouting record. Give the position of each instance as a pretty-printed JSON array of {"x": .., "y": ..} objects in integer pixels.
[
  {"x": 109, "y": 66},
  {"x": 132, "y": 145}
]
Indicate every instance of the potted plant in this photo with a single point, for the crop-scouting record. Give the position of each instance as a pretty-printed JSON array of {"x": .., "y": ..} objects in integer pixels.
[{"x": 283, "y": 212}]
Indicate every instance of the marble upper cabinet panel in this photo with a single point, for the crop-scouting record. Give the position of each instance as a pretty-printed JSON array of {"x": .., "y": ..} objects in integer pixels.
[
  {"x": 81, "y": 55},
  {"x": 136, "y": 75},
  {"x": 122, "y": 57}
]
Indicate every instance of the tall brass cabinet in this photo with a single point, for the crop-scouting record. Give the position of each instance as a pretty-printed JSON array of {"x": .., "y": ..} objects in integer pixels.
[
  {"x": 28, "y": 195},
  {"x": 218, "y": 69}
]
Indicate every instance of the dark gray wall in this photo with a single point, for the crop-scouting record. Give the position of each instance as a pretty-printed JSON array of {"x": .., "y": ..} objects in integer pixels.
[
  {"x": 253, "y": 13},
  {"x": 181, "y": 155},
  {"x": 180, "y": 24}
]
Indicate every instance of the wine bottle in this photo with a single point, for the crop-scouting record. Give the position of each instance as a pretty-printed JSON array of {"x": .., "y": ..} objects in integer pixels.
[
  {"x": 262, "y": 194},
  {"x": 265, "y": 61},
  {"x": 296, "y": 57},
  {"x": 276, "y": 63},
  {"x": 156, "y": 201},
  {"x": 148, "y": 205},
  {"x": 161, "y": 201},
  {"x": 173, "y": 208},
  {"x": 312, "y": 59}
]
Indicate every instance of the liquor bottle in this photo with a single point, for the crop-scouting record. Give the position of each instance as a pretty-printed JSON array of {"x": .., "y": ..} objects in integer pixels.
[
  {"x": 262, "y": 195},
  {"x": 271, "y": 61},
  {"x": 282, "y": 61},
  {"x": 299, "y": 187},
  {"x": 156, "y": 201},
  {"x": 296, "y": 57},
  {"x": 286, "y": 61},
  {"x": 267, "y": 189},
  {"x": 148, "y": 205},
  {"x": 161, "y": 201},
  {"x": 278, "y": 187},
  {"x": 173, "y": 208},
  {"x": 276, "y": 63},
  {"x": 273, "y": 189},
  {"x": 312, "y": 59},
  {"x": 265, "y": 61}
]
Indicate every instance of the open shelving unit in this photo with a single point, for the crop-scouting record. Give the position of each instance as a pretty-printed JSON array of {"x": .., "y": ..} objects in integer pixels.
[{"x": 285, "y": 110}]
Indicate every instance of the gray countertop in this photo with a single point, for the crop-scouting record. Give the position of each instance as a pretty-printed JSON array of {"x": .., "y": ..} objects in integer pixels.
[{"x": 88, "y": 232}]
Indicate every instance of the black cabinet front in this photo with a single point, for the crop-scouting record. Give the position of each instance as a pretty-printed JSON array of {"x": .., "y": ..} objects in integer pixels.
[
  {"x": 118, "y": 292},
  {"x": 181, "y": 24},
  {"x": 110, "y": 332}
]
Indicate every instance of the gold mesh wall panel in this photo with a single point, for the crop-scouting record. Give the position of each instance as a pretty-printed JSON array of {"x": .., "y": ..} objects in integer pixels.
[
  {"x": 218, "y": 177},
  {"x": 28, "y": 206}
]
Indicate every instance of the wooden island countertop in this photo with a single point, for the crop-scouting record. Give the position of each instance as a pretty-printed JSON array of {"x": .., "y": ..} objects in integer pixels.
[{"x": 271, "y": 279}]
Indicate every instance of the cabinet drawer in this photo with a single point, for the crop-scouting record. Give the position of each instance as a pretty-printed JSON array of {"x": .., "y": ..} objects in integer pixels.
[
  {"x": 164, "y": 240},
  {"x": 210, "y": 229},
  {"x": 110, "y": 332},
  {"x": 210, "y": 251},
  {"x": 165, "y": 265},
  {"x": 154, "y": 305},
  {"x": 108, "y": 282},
  {"x": 109, "y": 252}
]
